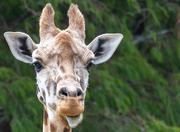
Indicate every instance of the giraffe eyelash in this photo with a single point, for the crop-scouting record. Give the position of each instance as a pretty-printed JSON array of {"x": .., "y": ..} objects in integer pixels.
[
  {"x": 88, "y": 67},
  {"x": 38, "y": 65},
  {"x": 89, "y": 64}
]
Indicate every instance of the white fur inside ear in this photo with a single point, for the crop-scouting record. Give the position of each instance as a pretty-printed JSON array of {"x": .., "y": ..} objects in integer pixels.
[
  {"x": 104, "y": 46},
  {"x": 21, "y": 45}
]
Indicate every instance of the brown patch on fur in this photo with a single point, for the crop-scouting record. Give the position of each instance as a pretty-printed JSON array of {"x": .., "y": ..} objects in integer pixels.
[
  {"x": 48, "y": 84},
  {"x": 41, "y": 99},
  {"x": 58, "y": 61},
  {"x": 82, "y": 83},
  {"x": 52, "y": 106},
  {"x": 55, "y": 87},
  {"x": 62, "y": 69},
  {"x": 53, "y": 128},
  {"x": 66, "y": 130},
  {"x": 44, "y": 96},
  {"x": 77, "y": 72},
  {"x": 45, "y": 118},
  {"x": 37, "y": 90},
  {"x": 59, "y": 79}
]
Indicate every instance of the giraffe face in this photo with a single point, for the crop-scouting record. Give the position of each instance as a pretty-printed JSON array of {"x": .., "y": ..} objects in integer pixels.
[
  {"x": 62, "y": 62},
  {"x": 62, "y": 66}
]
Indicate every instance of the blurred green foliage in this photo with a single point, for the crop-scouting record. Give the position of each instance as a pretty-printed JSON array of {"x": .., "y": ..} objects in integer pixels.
[{"x": 137, "y": 90}]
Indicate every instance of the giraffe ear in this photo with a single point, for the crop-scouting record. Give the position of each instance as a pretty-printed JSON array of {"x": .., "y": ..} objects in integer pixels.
[
  {"x": 21, "y": 45},
  {"x": 47, "y": 26},
  {"x": 76, "y": 21},
  {"x": 104, "y": 46}
]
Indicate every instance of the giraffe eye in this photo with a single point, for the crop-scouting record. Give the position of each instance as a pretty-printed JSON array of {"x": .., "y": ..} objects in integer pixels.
[
  {"x": 38, "y": 65},
  {"x": 88, "y": 67}
]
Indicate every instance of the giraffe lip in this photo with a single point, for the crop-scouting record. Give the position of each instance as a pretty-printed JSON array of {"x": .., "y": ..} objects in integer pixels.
[{"x": 64, "y": 117}]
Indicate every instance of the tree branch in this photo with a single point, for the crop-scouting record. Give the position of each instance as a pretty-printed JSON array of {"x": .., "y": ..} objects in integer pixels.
[
  {"x": 20, "y": 19},
  {"x": 143, "y": 38}
]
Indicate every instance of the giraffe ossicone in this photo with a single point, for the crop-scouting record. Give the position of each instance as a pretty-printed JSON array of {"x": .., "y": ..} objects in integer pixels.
[{"x": 62, "y": 62}]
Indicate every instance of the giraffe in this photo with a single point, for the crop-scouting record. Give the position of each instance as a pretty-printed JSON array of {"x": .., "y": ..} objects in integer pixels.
[{"x": 62, "y": 63}]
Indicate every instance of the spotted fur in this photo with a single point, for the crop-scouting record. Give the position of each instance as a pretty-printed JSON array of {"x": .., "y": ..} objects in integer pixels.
[
  {"x": 53, "y": 128},
  {"x": 45, "y": 118}
]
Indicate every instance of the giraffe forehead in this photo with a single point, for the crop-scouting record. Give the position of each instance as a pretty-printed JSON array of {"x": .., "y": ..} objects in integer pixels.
[
  {"x": 63, "y": 49},
  {"x": 59, "y": 46}
]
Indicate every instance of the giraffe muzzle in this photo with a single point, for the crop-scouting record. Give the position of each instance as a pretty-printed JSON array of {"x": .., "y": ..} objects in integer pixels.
[
  {"x": 72, "y": 106},
  {"x": 70, "y": 110}
]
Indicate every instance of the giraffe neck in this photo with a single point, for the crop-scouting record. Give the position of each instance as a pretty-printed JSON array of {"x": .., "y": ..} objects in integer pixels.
[{"x": 52, "y": 125}]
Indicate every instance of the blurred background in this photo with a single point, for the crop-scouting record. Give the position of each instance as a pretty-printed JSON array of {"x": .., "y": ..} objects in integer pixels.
[{"x": 138, "y": 90}]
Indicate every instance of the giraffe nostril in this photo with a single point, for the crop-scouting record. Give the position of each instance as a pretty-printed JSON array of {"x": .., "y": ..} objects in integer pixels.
[{"x": 63, "y": 92}]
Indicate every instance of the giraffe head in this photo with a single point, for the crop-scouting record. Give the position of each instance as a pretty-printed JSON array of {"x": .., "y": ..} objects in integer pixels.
[{"x": 62, "y": 62}]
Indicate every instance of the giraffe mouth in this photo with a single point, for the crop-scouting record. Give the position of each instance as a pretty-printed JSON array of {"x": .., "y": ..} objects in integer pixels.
[
  {"x": 72, "y": 121},
  {"x": 70, "y": 111}
]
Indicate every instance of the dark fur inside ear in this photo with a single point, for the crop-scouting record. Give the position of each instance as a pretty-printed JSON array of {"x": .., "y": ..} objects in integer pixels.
[
  {"x": 23, "y": 46},
  {"x": 100, "y": 49}
]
